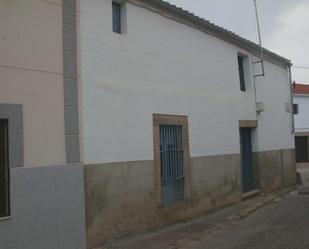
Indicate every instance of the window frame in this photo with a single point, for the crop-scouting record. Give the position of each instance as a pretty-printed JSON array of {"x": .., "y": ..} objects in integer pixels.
[{"x": 163, "y": 119}]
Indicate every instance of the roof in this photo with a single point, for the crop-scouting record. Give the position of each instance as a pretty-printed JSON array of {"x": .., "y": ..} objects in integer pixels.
[
  {"x": 220, "y": 32},
  {"x": 300, "y": 88}
]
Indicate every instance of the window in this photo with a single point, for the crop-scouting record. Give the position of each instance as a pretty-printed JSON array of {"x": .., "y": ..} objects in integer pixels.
[
  {"x": 295, "y": 109},
  {"x": 171, "y": 158},
  {"x": 241, "y": 71},
  {"x": 4, "y": 169},
  {"x": 117, "y": 17}
]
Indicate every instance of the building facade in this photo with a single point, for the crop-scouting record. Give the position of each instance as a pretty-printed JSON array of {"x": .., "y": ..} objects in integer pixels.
[
  {"x": 117, "y": 117},
  {"x": 42, "y": 193},
  {"x": 175, "y": 120},
  {"x": 301, "y": 116}
]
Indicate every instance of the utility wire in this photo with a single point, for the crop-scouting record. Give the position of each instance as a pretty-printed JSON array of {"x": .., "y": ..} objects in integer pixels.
[{"x": 299, "y": 67}]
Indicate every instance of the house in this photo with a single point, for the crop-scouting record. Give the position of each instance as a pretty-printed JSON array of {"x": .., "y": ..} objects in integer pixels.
[
  {"x": 117, "y": 117},
  {"x": 41, "y": 177},
  {"x": 177, "y": 119},
  {"x": 301, "y": 116}
]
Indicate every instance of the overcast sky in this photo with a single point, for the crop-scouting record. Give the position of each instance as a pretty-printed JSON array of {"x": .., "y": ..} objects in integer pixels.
[{"x": 284, "y": 25}]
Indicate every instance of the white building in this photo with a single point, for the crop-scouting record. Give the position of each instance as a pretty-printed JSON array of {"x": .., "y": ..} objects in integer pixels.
[
  {"x": 159, "y": 115},
  {"x": 149, "y": 69},
  {"x": 301, "y": 116}
]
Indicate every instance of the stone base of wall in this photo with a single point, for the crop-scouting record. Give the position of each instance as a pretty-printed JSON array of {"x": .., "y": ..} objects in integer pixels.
[
  {"x": 47, "y": 209},
  {"x": 276, "y": 169},
  {"x": 121, "y": 197}
]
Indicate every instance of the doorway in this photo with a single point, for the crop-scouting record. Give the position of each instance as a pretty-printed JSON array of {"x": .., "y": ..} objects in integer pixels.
[
  {"x": 4, "y": 169},
  {"x": 247, "y": 171},
  {"x": 301, "y": 146}
]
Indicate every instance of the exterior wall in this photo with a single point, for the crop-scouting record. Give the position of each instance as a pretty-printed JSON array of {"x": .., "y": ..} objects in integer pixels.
[
  {"x": 165, "y": 67},
  {"x": 275, "y": 129},
  {"x": 275, "y": 169},
  {"x": 302, "y": 118},
  {"x": 118, "y": 103},
  {"x": 121, "y": 197},
  {"x": 47, "y": 212},
  {"x": 31, "y": 32},
  {"x": 47, "y": 202},
  {"x": 126, "y": 78}
]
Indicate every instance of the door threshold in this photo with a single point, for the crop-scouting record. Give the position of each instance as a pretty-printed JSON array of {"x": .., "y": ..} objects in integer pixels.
[{"x": 250, "y": 194}]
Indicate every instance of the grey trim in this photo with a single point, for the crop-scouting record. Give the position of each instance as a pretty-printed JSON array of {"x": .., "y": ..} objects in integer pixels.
[
  {"x": 184, "y": 16},
  {"x": 70, "y": 87},
  {"x": 14, "y": 113}
]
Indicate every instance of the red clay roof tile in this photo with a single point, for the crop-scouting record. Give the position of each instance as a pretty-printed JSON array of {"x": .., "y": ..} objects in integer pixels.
[{"x": 300, "y": 88}]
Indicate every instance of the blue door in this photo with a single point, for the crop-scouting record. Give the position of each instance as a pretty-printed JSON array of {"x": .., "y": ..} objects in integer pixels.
[{"x": 246, "y": 160}]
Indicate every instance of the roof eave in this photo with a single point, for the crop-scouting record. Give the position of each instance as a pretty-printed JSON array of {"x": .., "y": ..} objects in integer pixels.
[{"x": 217, "y": 31}]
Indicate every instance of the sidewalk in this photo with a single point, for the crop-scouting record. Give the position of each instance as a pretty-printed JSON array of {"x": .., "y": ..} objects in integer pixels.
[{"x": 174, "y": 236}]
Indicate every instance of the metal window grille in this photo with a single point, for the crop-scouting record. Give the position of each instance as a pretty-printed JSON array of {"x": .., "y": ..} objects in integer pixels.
[
  {"x": 117, "y": 17},
  {"x": 241, "y": 73},
  {"x": 172, "y": 164}
]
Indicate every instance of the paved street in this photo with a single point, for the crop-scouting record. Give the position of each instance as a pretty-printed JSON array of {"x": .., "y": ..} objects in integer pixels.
[{"x": 281, "y": 224}]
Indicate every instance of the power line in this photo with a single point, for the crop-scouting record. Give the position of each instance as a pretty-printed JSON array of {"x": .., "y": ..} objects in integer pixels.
[{"x": 300, "y": 67}]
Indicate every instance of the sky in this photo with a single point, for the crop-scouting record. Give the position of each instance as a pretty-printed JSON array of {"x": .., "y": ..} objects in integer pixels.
[{"x": 284, "y": 25}]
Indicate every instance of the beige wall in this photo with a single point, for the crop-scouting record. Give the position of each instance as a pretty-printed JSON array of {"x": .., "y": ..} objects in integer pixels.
[{"x": 31, "y": 75}]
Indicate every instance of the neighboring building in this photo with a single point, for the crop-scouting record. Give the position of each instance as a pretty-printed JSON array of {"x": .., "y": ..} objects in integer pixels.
[
  {"x": 41, "y": 192},
  {"x": 169, "y": 117},
  {"x": 301, "y": 116},
  {"x": 160, "y": 115}
]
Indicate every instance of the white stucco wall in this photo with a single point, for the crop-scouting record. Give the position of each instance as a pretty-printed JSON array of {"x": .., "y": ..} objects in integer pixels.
[
  {"x": 302, "y": 118},
  {"x": 162, "y": 66},
  {"x": 31, "y": 75},
  {"x": 275, "y": 123}
]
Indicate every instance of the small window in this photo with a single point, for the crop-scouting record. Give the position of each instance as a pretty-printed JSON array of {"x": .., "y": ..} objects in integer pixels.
[
  {"x": 4, "y": 170},
  {"x": 241, "y": 71},
  {"x": 295, "y": 109},
  {"x": 117, "y": 17}
]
